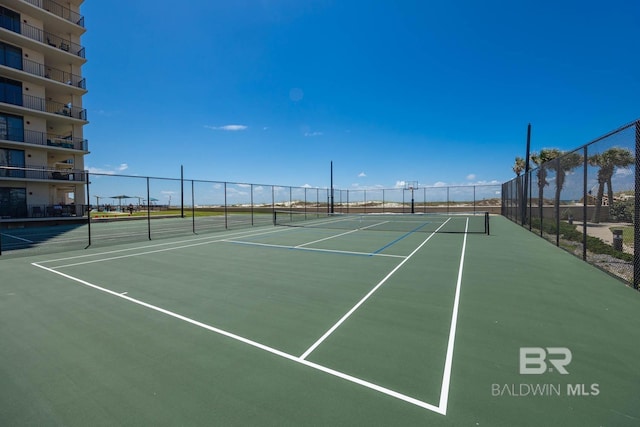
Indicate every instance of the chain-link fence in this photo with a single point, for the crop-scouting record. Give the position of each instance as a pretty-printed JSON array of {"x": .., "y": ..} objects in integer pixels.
[
  {"x": 585, "y": 201},
  {"x": 101, "y": 209}
]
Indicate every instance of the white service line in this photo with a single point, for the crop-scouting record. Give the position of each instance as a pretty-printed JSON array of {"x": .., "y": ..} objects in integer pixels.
[
  {"x": 341, "y": 234},
  {"x": 448, "y": 364},
  {"x": 366, "y": 297},
  {"x": 252, "y": 343},
  {"x": 17, "y": 238},
  {"x": 207, "y": 239},
  {"x": 336, "y": 251}
]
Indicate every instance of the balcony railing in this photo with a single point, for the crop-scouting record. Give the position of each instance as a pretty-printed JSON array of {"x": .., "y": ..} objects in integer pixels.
[
  {"x": 43, "y": 173},
  {"x": 59, "y": 10},
  {"x": 41, "y": 70},
  {"x": 41, "y": 36},
  {"x": 41, "y": 104},
  {"x": 48, "y": 139}
]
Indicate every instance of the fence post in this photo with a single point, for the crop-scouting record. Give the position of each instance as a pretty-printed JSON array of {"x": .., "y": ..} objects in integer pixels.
[
  {"x": 557, "y": 202},
  {"x": 585, "y": 195},
  {"x": 636, "y": 214},
  {"x": 88, "y": 214}
]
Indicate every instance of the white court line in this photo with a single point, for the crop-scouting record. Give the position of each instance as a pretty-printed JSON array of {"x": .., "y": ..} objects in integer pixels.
[
  {"x": 446, "y": 378},
  {"x": 366, "y": 297},
  {"x": 335, "y": 251},
  {"x": 339, "y": 235},
  {"x": 17, "y": 238},
  {"x": 255, "y": 344},
  {"x": 207, "y": 239},
  {"x": 446, "y": 381}
]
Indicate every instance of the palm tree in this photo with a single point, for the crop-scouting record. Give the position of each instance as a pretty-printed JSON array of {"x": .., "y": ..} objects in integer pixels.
[
  {"x": 546, "y": 155},
  {"x": 608, "y": 161},
  {"x": 518, "y": 166},
  {"x": 565, "y": 164}
]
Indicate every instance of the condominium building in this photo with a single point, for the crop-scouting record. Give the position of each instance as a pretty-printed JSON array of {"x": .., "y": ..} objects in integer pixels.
[{"x": 42, "y": 147}]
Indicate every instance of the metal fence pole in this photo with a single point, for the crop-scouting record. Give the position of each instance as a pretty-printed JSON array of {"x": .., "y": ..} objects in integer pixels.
[
  {"x": 636, "y": 214},
  {"x": 193, "y": 207},
  {"x": 584, "y": 202},
  {"x": 226, "y": 224},
  {"x": 557, "y": 202},
  {"x": 148, "y": 210},
  {"x": 88, "y": 214}
]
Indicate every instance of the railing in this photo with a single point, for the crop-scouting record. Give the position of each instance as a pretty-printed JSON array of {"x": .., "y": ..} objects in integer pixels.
[
  {"x": 41, "y": 70},
  {"x": 41, "y": 138},
  {"x": 41, "y": 104},
  {"x": 59, "y": 10},
  {"x": 44, "y": 173},
  {"x": 53, "y": 40}
]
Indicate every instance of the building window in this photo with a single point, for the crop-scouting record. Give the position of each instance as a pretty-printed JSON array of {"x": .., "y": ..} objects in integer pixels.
[
  {"x": 11, "y": 128},
  {"x": 13, "y": 202},
  {"x": 11, "y": 159},
  {"x": 10, "y": 91},
  {"x": 10, "y": 20},
  {"x": 10, "y": 56}
]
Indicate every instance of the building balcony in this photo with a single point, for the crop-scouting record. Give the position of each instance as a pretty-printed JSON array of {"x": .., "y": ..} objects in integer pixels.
[
  {"x": 59, "y": 10},
  {"x": 41, "y": 70},
  {"x": 42, "y": 36},
  {"x": 47, "y": 106},
  {"x": 44, "y": 139},
  {"x": 40, "y": 173}
]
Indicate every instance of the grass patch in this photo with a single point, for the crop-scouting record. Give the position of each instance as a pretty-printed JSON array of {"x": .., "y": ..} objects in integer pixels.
[{"x": 570, "y": 232}]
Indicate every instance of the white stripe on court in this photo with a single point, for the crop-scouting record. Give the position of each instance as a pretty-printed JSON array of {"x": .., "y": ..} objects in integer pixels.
[
  {"x": 207, "y": 240},
  {"x": 341, "y": 234},
  {"x": 17, "y": 238},
  {"x": 255, "y": 344},
  {"x": 366, "y": 297},
  {"x": 446, "y": 378},
  {"x": 335, "y": 251}
]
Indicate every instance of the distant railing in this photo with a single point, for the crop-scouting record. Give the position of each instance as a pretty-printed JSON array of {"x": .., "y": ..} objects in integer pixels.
[
  {"x": 45, "y": 105},
  {"x": 41, "y": 138},
  {"x": 43, "y": 173},
  {"x": 59, "y": 10},
  {"x": 53, "y": 40},
  {"x": 41, "y": 70}
]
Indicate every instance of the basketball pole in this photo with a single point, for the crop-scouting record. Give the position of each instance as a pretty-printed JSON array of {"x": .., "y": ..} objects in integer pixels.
[{"x": 413, "y": 209}]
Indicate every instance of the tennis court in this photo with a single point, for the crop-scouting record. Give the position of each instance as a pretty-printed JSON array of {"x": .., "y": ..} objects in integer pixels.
[{"x": 341, "y": 320}]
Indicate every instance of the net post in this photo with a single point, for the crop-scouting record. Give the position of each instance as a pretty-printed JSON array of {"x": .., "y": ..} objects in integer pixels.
[
  {"x": 274, "y": 218},
  {"x": 486, "y": 223}
]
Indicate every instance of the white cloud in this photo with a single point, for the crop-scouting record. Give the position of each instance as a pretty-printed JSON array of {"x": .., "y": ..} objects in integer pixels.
[
  {"x": 108, "y": 170},
  {"x": 312, "y": 133},
  {"x": 471, "y": 177},
  {"x": 306, "y": 186},
  {"x": 230, "y": 128},
  {"x": 623, "y": 172},
  {"x": 400, "y": 184},
  {"x": 362, "y": 175}
]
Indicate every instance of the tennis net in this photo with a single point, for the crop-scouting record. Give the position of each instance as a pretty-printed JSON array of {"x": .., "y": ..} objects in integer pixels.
[{"x": 472, "y": 222}]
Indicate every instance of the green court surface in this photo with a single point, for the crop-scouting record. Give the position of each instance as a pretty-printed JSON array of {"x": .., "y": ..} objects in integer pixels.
[{"x": 318, "y": 326}]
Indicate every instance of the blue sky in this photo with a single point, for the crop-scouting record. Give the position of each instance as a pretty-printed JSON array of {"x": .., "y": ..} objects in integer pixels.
[{"x": 271, "y": 91}]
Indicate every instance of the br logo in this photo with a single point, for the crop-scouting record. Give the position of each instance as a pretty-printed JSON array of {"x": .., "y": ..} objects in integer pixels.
[{"x": 535, "y": 360}]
